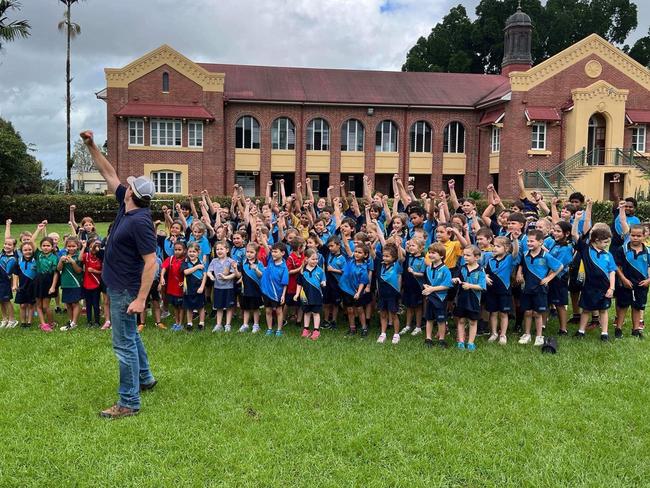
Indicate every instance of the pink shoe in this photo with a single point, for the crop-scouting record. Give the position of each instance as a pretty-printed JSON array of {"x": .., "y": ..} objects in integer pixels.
[
  {"x": 46, "y": 328},
  {"x": 315, "y": 335},
  {"x": 107, "y": 325},
  {"x": 305, "y": 333}
]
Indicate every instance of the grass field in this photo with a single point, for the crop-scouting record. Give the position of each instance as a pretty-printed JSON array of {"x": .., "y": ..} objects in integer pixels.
[{"x": 244, "y": 410}]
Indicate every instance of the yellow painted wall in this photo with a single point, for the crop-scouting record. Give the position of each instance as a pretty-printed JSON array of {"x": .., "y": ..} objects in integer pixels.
[
  {"x": 181, "y": 168},
  {"x": 283, "y": 160},
  {"x": 454, "y": 163},
  {"x": 494, "y": 163},
  {"x": 318, "y": 161},
  {"x": 592, "y": 183},
  {"x": 420, "y": 163},
  {"x": 247, "y": 159},
  {"x": 386, "y": 162},
  {"x": 352, "y": 162}
]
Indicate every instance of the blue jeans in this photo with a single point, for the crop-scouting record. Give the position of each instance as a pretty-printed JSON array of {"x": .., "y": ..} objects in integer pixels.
[{"x": 129, "y": 349}]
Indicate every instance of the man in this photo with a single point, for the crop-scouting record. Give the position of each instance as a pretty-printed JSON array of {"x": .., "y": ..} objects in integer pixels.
[{"x": 129, "y": 268}]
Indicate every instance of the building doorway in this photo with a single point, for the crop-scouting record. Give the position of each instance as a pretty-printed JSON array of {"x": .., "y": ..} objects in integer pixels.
[
  {"x": 596, "y": 139},
  {"x": 248, "y": 182},
  {"x": 319, "y": 183},
  {"x": 613, "y": 186}
]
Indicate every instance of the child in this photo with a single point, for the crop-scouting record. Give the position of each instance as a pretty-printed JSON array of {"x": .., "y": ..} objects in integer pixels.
[
  {"x": 195, "y": 277},
  {"x": 536, "y": 271},
  {"x": 633, "y": 261},
  {"x": 171, "y": 280},
  {"x": 333, "y": 271},
  {"x": 274, "y": 288},
  {"x": 558, "y": 288},
  {"x": 46, "y": 279},
  {"x": 438, "y": 282},
  {"x": 223, "y": 271},
  {"x": 294, "y": 265},
  {"x": 7, "y": 263},
  {"x": 310, "y": 284},
  {"x": 154, "y": 300},
  {"x": 499, "y": 265},
  {"x": 354, "y": 280},
  {"x": 468, "y": 300},
  {"x": 92, "y": 264},
  {"x": 413, "y": 279},
  {"x": 69, "y": 268},
  {"x": 251, "y": 293},
  {"x": 24, "y": 274},
  {"x": 389, "y": 286}
]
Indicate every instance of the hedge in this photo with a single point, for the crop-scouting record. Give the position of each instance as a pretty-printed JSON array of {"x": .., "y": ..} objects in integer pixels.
[{"x": 29, "y": 209}]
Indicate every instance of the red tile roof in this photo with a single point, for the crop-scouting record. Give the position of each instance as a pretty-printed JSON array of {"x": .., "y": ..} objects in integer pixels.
[
  {"x": 153, "y": 110},
  {"x": 542, "y": 113},
  {"x": 638, "y": 116},
  {"x": 311, "y": 85},
  {"x": 492, "y": 117}
]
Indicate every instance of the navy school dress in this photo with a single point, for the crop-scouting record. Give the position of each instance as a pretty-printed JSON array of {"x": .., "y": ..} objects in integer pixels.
[
  {"x": 388, "y": 289},
  {"x": 251, "y": 291},
  {"x": 499, "y": 296},
  {"x": 436, "y": 309},
  {"x": 26, "y": 271},
  {"x": 598, "y": 265},
  {"x": 312, "y": 292},
  {"x": 468, "y": 302},
  {"x": 634, "y": 265},
  {"x": 192, "y": 300},
  {"x": 412, "y": 285},
  {"x": 7, "y": 262}
]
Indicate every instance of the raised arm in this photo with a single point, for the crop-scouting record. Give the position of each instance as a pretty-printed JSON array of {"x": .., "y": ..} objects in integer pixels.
[
  {"x": 555, "y": 216},
  {"x": 103, "y": 166},
  {"x": 73, "y": 222},
  {"x": 622, "y": 217},
  {"x": 453, "y": 198},
  {"x": 8, "y": 228},
  {"x": 367, "y": 192},
  {"x": 520, "y": 184}
]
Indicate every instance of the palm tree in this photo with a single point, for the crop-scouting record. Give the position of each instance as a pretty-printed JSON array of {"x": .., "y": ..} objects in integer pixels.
[
  {"x": 72, "y": 30},
  {"x": 10, "y": 31}
]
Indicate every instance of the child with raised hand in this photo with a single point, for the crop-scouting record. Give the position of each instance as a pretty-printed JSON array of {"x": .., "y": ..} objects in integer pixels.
[
  {"x": 24, "y": 272},
  {"x": 46, "y": 279},
  {"x": 334, "y": 265},
  {"x": 7, "y": 264},
  {"x": 193, "y": 292},
  {"x": 352, "y": 283},
  {"x": 499, "y": 265},
  {"x": 413, "y": 279},
  {"x": 438, "y": 283},
  {"x": 71, "y": 272},
  {"x": 389, "y": 286},
  {"x": 311, "y": 282},
  {"x": 558, "y": 288},
  {"x": 172, "y": 280},
  {"x": 250, "y": 300},
  {"x": 275, "y": 279},
  {"x": 471, "y": 283},
  {"x": 92, "y": 261},
  {"x": 223, "y": 271},
  {"x": 85, "y": 229}
]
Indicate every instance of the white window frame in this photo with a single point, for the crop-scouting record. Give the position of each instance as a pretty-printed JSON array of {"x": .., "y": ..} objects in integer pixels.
[
  {"x": 388, "y": 140},
  {"x": 538, "y": 136},
  {"x": 165, "y": 127},
  {"x": 321, "y": 126},
  {"x": 452, "y": 142},
  {"x": 137, "y": 137},
  {"x": 353, "y": 131},
  {"x": 248, "y": 122},
  {"x": 495, "y": 139},
  {"x": 283, "y": 125},
  {"x": 639, "y": 138},
  {"x": 161, "y": 180},
  {"x": 421, "y": 129},
  {"x": 195, "y": 133}
]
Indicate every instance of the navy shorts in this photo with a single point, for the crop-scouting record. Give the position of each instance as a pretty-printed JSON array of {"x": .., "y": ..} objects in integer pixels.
[
  {"x": 5, "y": 291},
  {"x": 195, "y": 301},
  {"x": 464, "y": 313},
  {"x": 497, "y": 302},
  {"x": 154, "y": 294},
  {"x": 364, "y": 299},
  {"x": 594, "y": 299},
  {"x": 575, "y": 281},
  {"x": 312, "y": 308},
  {"x": 332, "y": 293},
  {"x": 250, "y": 303},
  {"x": 558, "y": 291},
  {"x": 70, "y": 295},
  {"x": 435, "y": 312},
  {"x": 290, "y": 302},
  {"x": 174, "y": 301},
  {"x": 635, "y": 297},
  {"x": 42, "y": 284},
  {"x": 388, "y": 302},
  {"x": 272, "y": 304},
  {"x": 412, "y": 297},
  {"x": 349, "y": 300},
  {"x": 537, "y": 302},
  {"x": 223, "y": 298},
  {"x": 25, "y": 295}
]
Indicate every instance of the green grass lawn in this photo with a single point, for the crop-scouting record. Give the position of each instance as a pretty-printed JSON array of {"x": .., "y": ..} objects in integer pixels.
[{"x": 61, "y": 229}]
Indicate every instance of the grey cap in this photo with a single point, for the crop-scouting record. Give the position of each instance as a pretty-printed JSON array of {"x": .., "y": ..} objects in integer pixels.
[{"x": 142, "y": 187}]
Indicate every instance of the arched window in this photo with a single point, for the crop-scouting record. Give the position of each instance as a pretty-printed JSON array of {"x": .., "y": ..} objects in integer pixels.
[
  {"x": 454, "y": 138},
  {"x": 318, "y": 135},
  {"x": 352, "y": 133},
  {"x": 283, "y": 134},
  {"x": 247, "y": 133},
  {"x": 421, "y": 137},
  {"x": 165, "y": 82},
  {"x": 386, "y": 137},
  {"x": 166, "y": 181}
]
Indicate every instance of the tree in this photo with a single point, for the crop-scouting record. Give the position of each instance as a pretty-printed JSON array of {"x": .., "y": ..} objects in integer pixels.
[
  {"x": 10, "y": 31},
  {"x": 641, "y": 50},
  {"x": 82, "y": 161},
  {"x": 20, "y": 172},
  {"x": 71, "y": 30}
]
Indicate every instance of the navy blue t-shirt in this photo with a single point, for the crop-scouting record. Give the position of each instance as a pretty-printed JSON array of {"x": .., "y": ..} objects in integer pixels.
[{"x": 132, "y": 237}]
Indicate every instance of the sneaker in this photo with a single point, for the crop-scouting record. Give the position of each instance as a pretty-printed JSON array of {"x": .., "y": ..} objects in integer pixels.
[
  {"x": 579, "y": 334},
  {"x": 471, "y": 347},
  {"x": 525, "y": 339},
  {"x": 148, "y": 386},
  {"x": 106, "y": 326},
  {"x": 604, "y": 337},
  {"x": 256, "y": 329},
  {"x": 395, "y": 339},
  {"x": 227, "y": 328},
  {"x": 460, "y": 345},
  {"x": 618, "y": 332},
  {"x": 364, "y": 332},
  {"x": 195, "y": 314},
  {"x": 575, "y": 319},
  {"x": 278, "y": 333},
  {"x": 416, "y": 331},
  {"x": 428, "y": 343},
  {"x": 442, "y": 344},
  {"x": 244, "y": 328},
  {"x": 305, "y": 332},
  {"x": 405, "y": 330},
  {"x": 325, "y": 324},
  {"x": 3, "y": 324},
  {"x": 593, "y": 324},
  {"x": 140, "y": 328},
  {"x": 285, "y": 322},
  {"x": 68, "y": 326},
  {"x": 177, "y": 328},
  {"x": 189, "y": 327},
  {"x": 201, "y": 327},
  {"x": 539, "y": 341},
  {"x": 58, "y": 310},
  {"x": 635, "y": 332},
  {"x": 562, "y": 332},
  {"x": 11, "y": 324},
  {"x": 26, "y": 325},
  {"x": 46, "y": 327},
  {"x": 117, "y": 412},
  {"x": 217, "y": 328},
  {"x": 351, "y": 332},
  {"x": 493, "y": 337},
  {"x": 315, "y": 335},
  {"x": 161, "y": 326},
  {"x": 382, "y": 338},
  {"x": 164, "y": 314},
  {"x": 503, "y": 340},
  {"x": 333, "y": 325},
  {"x": 269, "y": 332}
]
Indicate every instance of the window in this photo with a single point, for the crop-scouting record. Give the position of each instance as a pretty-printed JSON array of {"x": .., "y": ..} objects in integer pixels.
[
  {"x": 165, "y": 132},
  {"x": 386, "y": 137},
  {"x": 421, "y": 137},
  {"x": 283, "y": 134},
  {"x": 247, "y": 133},
  {"x": 495, "y": 144},
  {"x": 352, "y": 134},
  {"x": 638, "y": 138},
  {"x": 318, "y": 135},
  {"x": 195, "y": 129},
  {"x": 538, "y": 140},
  {"x": 166, "y": 181},
  {"x": 165, "y": 82},
  {"x": 136, "y": 132},
  {"x": 454, "y": 138}
]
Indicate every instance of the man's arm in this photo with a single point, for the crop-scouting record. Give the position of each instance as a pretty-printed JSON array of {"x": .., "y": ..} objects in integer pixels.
[
  {"x": 148, "y": 272},
  {"x": 103, "y": 166}
]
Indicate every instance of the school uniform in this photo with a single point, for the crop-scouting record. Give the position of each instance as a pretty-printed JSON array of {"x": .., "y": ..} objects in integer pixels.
[
  {"x": 436, "y": 306},
  {"x": 388, "y": 289},
  {"x": 7, "y": 262},
  {"x": 294, "y": 261},
  {"x": 251, "y": 292},
  {"x": 274, "y": 279},
  {"x": 26, "y": 272},
  {"x": 204, "y": 247},
  {"x": 354, "y": 275},
  {"x": 412, "y": 285},
  {"x": 618, "y": 237},
  {"x": 634, "y": 265},
  {"x": 534, "y": 295},
  {"x": 192, "y": 299},
  {"x": 71, "y": 281},
  {"x": 166, "y": 245},
  {"x": 223, "y": 292},
  {"x": 45, "y": 268},
  {"x": 598, "y": 265},
  {"x": 499, "y": 295},
  {"x": 312, "y": 292},
  {"x": 558, "y": 288},
  {"x": 174, "y": 281},
  {"x": 468, "y": 302},
  {"x": 332, "y": 295}
]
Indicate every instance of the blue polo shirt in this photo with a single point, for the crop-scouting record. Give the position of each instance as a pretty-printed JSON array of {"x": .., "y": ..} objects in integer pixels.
[
  {"x": 238, "y": 254},
  {"x": 536, "y": 268},
  {"x": 418, "y": 265},
  {"x": 633, "y": 264},
  {"x": 438, "y": 276},
  {"x": 311, "y": 283},
  {"x": 564, "y": 254},
  {"x": 132, "y": 236},
  {"x": 429, "y": 227},
  {"x": 500, "y": 271},
  {"x": 274, "y": 279},
  {"x": 25, "y": 270},
  {"x": 251, "y": 282},
  {"x": 598, "y": 265},
  {"x": 353, "y": 275},
  {"x": 337, "y": 262},
  {"x": 7, "y": 262},
  {"x": 204, "y": 246},
  {"x": 471, "y": 299},
  {"x": 390, "y": 275},
  {"x": 617, "y": 229}
]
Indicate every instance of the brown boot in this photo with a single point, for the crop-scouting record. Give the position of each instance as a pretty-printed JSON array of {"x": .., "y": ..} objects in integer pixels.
[{"x": 117, "y": 412}]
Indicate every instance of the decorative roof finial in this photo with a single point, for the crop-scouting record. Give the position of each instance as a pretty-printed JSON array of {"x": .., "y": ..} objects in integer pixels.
[{"x": 519, "y": 5}]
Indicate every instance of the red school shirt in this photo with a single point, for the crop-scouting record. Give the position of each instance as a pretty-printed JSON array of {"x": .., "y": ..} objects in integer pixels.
[
  {"x": 91, "y": 281},
  {"x": 174, "y": 277},
  {"x": 294, "y": 261}
]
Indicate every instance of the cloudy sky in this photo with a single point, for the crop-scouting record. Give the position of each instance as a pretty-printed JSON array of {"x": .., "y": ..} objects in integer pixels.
[{"x": 362, "y": 34}]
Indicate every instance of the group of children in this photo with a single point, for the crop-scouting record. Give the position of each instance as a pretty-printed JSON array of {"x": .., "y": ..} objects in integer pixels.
[{"x": 304, "y": 258}]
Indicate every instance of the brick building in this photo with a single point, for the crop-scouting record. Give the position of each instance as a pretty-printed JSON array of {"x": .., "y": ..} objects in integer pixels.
[{"x": 576, "y": 121}]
